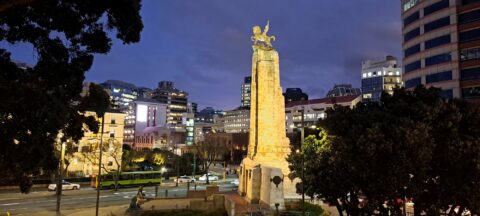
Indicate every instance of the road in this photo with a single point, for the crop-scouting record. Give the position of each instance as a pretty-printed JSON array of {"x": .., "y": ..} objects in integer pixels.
[{"x": 42, "y": 200}]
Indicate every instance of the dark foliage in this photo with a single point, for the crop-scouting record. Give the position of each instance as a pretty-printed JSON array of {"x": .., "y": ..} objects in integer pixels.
[
  {"x": 413, "y": 144},
  {"x": 41, "y": 104}
]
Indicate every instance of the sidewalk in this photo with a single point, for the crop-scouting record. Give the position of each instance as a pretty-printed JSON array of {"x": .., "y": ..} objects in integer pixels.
[{"x": 157, "y": 204}]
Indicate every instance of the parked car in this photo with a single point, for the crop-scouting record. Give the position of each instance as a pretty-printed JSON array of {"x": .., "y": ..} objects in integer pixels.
[
  {"x": 210, "y": 177},
  {"x": 235, "y": 182},
  {"x": 184, "y": 179},
  {"x": 65, "y": 186}
]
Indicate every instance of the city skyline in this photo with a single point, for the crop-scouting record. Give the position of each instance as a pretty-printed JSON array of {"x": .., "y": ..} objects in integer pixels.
[{"x": 320, "y": 43}]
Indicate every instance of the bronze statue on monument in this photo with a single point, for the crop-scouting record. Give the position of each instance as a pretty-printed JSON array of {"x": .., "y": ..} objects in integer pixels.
[{"x": 259, "y": 36}]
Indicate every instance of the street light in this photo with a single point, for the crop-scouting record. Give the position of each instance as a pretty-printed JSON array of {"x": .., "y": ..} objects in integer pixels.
[
  {"x": 60, "y": 176},
  {"x": 100, "y": 166},
  {"x": 302, "y": 136},
  {"x": 405, "y": 197}
]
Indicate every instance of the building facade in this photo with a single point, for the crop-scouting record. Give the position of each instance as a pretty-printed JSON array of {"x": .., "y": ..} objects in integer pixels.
[
  {"x": 441, "y": 46},
  {"x": 246, "y": 89},
  {"x": 121, "y": 93},
  {"x": 314, "y": 110},
  {"x": 237, "y": 120},
  {"x": 294, "y": 94},
  {"x": 84, "y": 156},
  {"x": 141, "y": 115},
  {"x": 380, "y": 76},
  {"x": 343, "y": 90},
  {"x": 176, "y": 100}
]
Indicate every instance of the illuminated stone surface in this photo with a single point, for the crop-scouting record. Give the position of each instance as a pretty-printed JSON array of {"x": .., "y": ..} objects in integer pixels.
[{"x": 268, "y": 144}]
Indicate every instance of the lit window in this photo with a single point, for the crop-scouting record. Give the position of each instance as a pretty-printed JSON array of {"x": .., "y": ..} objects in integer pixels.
[{"x": 369, "y": 74}]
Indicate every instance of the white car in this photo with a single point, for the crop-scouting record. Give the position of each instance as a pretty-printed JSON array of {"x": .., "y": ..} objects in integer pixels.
[
  {"x": 210, "y": 177},
  {"x": 185, "y": 179},
  {"x": 65, "y": 186},
  {"x": 235, "y": 182}
]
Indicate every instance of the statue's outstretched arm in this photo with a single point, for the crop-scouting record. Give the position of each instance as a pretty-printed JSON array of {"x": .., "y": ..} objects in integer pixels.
[{"x": 267, "y": 27}]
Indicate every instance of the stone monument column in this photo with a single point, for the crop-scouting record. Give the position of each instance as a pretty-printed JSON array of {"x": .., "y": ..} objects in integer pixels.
[{"x": 264, "y": 173}]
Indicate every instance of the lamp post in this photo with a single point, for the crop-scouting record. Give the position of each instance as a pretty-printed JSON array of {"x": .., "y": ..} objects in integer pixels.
[
  {"x": 60, "y": 177},
  {"x": 302, "y": 134},
  {"x": 405, "y": 197},
  {"x": 100, "y": 166}
]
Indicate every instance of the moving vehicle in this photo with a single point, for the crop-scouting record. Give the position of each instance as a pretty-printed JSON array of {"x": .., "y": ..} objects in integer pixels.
[
  {"x": 65, "y": 186},
  {"x": 184, "y": 179},
  {"x": 211, "y": 177},
  {"x": 128, "y": 179},
  {"x": 235, "y": 182}
]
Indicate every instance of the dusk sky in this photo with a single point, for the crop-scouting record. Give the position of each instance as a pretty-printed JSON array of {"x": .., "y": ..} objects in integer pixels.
[{"x": 204, "y": 45}]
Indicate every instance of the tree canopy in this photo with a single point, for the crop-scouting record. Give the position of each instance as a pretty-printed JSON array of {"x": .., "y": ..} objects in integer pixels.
[
  {"x": 42, "y": 101},
  {"x": 413, "y": 144}
]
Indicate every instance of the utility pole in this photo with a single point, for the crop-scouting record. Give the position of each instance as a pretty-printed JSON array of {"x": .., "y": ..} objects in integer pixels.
[
  {"x": 99, "y": 179},
  {"x": 194, "y": 163},
  {"x": 60, "y": 177},
  {"x": 302, "y": 135}
]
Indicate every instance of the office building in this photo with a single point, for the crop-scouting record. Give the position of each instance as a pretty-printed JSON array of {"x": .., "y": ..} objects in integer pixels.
[
  {"x": 343, "y": 90},
  {"x": 314, "y": 110},
  {"x": 294, "y": 94},
  {"x": 142, "y": 114},
  {"x": 121, "y": 93},
  {"x": 246, "y": 89},
  {"x": 380, "y": 76},
  {"x": 237, "y": 120},
  {"x": 441, "y": 46},
  {"x": 176, "y": 100}
]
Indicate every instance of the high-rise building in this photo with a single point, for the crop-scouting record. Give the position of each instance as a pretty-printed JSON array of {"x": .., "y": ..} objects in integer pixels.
[
  {"x": 194, "y": 108},
  {"x": 175, "y": 99},
  {"x": 121, "y": 93},
  {"x": 246, "y": 88},
  {"x": 142, "y": 114},
  {"x": 343, "y": 90},
  {"x": 380, "y": 76},
  {"x": 237, "y": 120},
  {"x": 294, "y": 94},
  {"x": 441, "y": 46}
]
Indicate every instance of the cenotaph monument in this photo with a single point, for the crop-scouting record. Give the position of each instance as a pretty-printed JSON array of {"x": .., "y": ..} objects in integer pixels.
[{"x": 264, "y": 172}]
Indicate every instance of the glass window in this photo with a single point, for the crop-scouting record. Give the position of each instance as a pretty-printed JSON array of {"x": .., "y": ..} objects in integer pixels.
[
  {"x": 436, "y": 7},
  {"x": 438, "y": 59},
  {"x": 437, "y": 77},
  {"x": 470, "y": 35},
  {"x": 464, "y": 2},
  {"x": 413, "y": 66},
  {"x": 411, "y": 34},
  {"x": 471, "y": 93},
  {"x": 447, "y": 94},
  {"x": 413, "y": 82},
  {"x": 436, "y": 24},
  {"x": 412, "y": 50},
  {"x": 412, "y": 18},
  {"x": 437, "y": 41},
  {"x": 470, "y": 74},
  {"x": 469, "y": 17},
  {"x": 470, "y": 54},
  {"x": 409, "y": 4}
]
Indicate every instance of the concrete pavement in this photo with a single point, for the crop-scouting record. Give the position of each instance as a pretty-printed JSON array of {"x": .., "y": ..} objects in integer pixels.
[{"x": 72, "y": 201}]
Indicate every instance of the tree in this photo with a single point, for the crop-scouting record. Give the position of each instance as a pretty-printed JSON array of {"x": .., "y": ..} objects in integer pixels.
[
  {"x": 413, "y": 144},
  {"x": 111, "y": 151},
  {"x": 210, "y": 151},
  {"x": 42, "y": 100}
]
